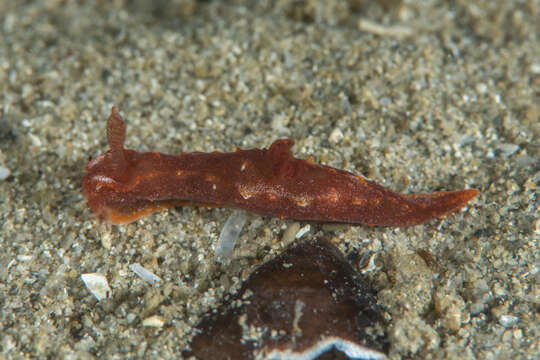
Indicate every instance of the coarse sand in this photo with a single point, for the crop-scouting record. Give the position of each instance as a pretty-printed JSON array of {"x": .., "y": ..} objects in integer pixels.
[{"x": 419, "y": 96}]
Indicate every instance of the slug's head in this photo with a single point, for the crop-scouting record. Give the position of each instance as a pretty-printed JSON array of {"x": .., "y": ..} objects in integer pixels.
[
  {"x": 113, "y": 165},
  {"x": 107, "y": 174}
]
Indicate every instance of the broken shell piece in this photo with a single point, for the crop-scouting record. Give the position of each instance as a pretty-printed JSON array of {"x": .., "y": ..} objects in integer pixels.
[
  {"x": 296, "y": 306},
  {"x": 228, "y": 236},
  {"x": 144, "y": 274},
  {"x": 303, "y": 231},
  {"x": 153, "y": 321},
  {"x": 97, "y": 285},
  {"x": 4, "y": 173}
]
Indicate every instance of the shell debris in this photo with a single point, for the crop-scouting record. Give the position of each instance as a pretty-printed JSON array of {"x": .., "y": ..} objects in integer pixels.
[
  {"x": 228, "y": 236},
  {"x": 97, "y": 284},
  {"x": 4, "y": 172},
  {"x": 312, "y": 300},
  {"x": 144, "y": 274},
  {"x": 153, "y": 321}
]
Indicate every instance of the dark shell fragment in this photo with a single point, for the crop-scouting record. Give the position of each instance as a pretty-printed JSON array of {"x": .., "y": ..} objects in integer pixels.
[{"x": 298, "y": 305}]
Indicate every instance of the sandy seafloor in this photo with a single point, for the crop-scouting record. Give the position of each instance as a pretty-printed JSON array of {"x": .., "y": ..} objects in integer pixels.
[{"x": 418, "y": 96}]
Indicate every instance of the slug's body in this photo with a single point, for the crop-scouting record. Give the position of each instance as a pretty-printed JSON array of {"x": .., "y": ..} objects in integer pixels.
[{"x": 122, "y": 185}]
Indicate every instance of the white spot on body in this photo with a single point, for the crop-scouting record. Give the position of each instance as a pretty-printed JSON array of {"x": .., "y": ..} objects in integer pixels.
[
  {"x": 104, "y": 179},
  {"x": 364, "y": 202},
  {"x": 302, "y": 201},
  {"x": 272, "y": 193},
  {"x": 332, "y": 196},
  {"x": 361, "y": 179},
  {"x": 245, "y": 193}
]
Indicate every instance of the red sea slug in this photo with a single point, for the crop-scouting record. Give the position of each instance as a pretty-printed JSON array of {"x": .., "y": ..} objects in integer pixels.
[{"x": 122, "y": 185}]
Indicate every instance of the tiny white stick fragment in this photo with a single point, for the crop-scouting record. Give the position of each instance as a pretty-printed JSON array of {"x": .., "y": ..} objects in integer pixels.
[
  {"x": 395, "y": 31},
  {"x": 97, "y": 284},
  {"x": 303, "y": 231},
  {"x": 229, "y": 235},
  {"x": 144, "y": 274}
]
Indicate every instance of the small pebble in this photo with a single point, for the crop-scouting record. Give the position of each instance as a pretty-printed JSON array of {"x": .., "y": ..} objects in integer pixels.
[{"x": 335, "y": 136}]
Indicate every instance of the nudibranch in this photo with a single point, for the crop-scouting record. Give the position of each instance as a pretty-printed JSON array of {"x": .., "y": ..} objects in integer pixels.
[{"x": 122, "y": 185}]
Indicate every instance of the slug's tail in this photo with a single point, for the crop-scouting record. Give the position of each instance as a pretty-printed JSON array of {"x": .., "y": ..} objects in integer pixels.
[{"x": 436, "y": 205}]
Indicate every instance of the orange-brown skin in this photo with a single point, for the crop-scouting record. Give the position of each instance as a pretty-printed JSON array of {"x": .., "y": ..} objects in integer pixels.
[{"x": 122, "y": 185}]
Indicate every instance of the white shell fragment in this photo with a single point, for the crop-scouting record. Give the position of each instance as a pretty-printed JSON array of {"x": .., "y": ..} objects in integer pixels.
[
  {"x": 97, "y": 284},
  {"x": 303, "y": 231},
  {"x": 144, "y": 274},
  {"x": 351, "y": 349},
  {"x": 507, "y": 149},
  {"x": 153, "y": 321},
  {"x": 229, "y": 235},
  {"x": 4, "y": 173}
]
